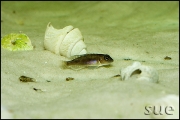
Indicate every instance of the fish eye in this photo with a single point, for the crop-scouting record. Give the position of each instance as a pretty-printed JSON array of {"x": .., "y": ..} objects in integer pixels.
[{"x": 106, "y": 57}]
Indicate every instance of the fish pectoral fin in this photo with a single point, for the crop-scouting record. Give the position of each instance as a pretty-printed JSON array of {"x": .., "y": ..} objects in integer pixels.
[
  {"x": 93, "y": 67},
  {"x": 77, "y": 67}
]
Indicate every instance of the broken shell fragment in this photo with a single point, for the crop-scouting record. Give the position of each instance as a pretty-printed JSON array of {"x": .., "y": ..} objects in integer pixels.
[
  {"x": 66, "y": 42},
  {"x": 139, "y": 72},
  {"x": 166, "y": 107},
  {"x": 26, "y": 79},
  {"x": 6, "y": 113},
  {"x": 16, "y": 42}
]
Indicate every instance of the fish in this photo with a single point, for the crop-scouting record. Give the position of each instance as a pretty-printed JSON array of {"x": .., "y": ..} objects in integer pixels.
[{"x": 88, "y": 61}]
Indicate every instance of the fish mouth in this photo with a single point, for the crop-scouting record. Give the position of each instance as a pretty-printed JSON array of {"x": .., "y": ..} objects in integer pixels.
[
  {"x": 111, "y": 60},
  {"x": 107, "y": 63}
]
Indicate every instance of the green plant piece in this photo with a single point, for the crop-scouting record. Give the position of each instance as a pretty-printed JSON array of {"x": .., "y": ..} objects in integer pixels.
[{"x": 16, "y": 42}]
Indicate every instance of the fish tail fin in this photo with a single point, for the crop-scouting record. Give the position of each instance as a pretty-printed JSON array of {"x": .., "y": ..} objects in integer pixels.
[{"x": 64, "y": 65}]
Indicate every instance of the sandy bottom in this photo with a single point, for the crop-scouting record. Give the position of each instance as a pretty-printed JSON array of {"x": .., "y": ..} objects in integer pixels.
[{"x": 140, "y": 31}]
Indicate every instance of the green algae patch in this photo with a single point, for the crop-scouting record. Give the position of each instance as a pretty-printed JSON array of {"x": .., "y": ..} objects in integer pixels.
[{"x": 16, "y": 42}]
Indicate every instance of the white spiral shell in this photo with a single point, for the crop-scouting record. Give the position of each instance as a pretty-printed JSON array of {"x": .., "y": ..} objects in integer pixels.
[{"x": 66, "y": 42}]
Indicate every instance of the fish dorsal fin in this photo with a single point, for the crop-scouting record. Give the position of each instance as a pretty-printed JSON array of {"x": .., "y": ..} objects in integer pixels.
[{"x": 76, "y": 56}]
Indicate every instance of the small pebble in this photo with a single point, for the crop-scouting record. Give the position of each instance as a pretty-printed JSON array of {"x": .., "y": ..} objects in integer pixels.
[
  {"x": 167, "y": 58},
  {"x": 117, "y": 75},
  {"x": 69, "y": 78},
  {"x": 38, "y": 90}
]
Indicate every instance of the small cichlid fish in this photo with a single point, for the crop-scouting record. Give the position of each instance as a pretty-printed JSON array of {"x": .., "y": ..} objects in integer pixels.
[{"x": 88, "y": 60}]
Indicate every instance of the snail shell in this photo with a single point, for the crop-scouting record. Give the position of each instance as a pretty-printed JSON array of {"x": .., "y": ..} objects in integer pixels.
[
  {"x": 66, "y": 42},
  {"x": 142, "y": 73}
]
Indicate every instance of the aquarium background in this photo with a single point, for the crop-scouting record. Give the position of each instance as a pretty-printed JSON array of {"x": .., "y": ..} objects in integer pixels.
[{"x": 128, "y": 31}]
